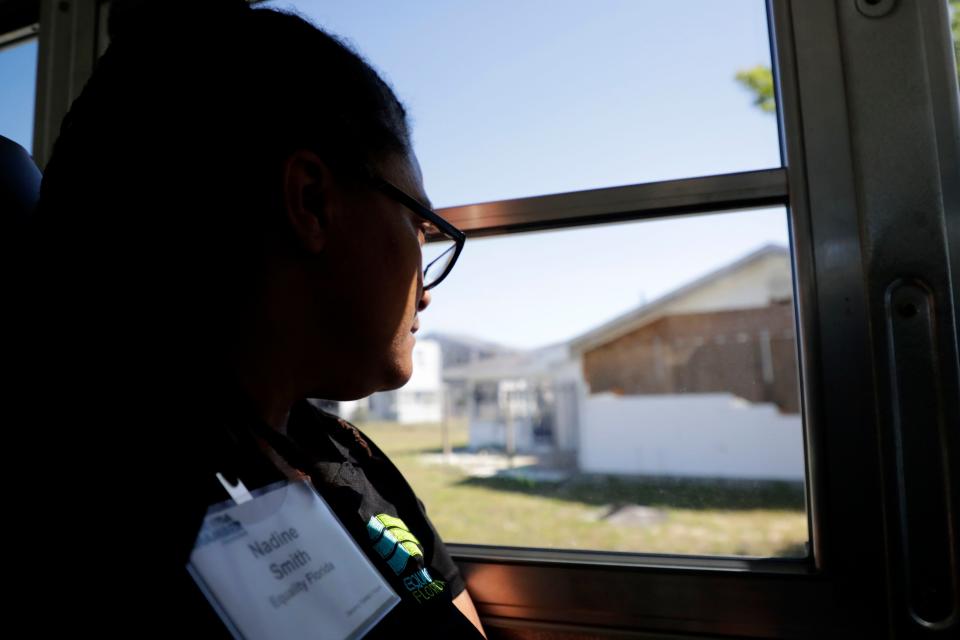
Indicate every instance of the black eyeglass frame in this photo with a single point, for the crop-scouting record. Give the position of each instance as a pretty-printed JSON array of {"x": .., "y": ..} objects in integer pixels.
[{"x": 459, "y": 237}]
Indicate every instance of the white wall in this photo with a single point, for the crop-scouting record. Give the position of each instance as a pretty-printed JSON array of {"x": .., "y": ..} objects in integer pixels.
[
  {"x": 421, "y": 399},
  {"x": 419, "y": 406},
  {"x": 709, "y": 435},
  {"x": 427, "y": 366},
  {"x": 570, "y": 389},
  {"x": 486, "y": 434},
  {"x": 349, "y": 407}
]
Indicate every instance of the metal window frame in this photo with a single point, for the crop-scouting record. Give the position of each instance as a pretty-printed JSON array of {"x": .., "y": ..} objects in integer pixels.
[
  {"x": 852, "y": 584},
  {"x": 18, "y": 36},
  {"x": 19, "y": 20},
  {"x": 68, "y": 49},
  {"x": 724, "y": 192},
  {"x": 834, "y": 64}
]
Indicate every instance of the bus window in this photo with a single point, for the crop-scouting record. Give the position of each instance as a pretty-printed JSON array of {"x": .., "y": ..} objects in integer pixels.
[
  {"x": 621, "y": 387},
  {"x": 516, "y": 99},
  {"x": 628, "y": 387},
  {"x": 18, "y": 77}
]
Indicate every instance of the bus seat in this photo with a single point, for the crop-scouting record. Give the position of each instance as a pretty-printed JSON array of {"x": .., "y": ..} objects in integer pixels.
[{"x": 19, "y": 183}]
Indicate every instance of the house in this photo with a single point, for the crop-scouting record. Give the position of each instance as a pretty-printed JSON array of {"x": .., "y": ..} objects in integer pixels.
[
  {"x": 522, "y": 401},
  {"x": 730, "y": 331},
  {"x": 457, "y": 350},
  {"x": 420, "y": 400},
  {"x": 702, "y": 381}
]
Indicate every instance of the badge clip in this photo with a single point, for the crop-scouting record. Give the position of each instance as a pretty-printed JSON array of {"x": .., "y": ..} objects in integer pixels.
[{"x": 238, "y": 491}]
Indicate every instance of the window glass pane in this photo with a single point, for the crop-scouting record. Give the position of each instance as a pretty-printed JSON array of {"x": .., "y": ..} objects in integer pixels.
[
  {"x": 954, "y": 10},
  {"x": 18, "y": 77},
  {"x": 624, "y": 387},
  {"x": 512, "y": 99}
]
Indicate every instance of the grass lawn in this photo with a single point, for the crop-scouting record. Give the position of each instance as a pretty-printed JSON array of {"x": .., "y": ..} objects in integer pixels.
[{"x": 594, "y": 511}]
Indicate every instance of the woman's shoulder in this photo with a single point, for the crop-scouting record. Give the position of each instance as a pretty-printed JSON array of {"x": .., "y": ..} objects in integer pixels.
[{"x": 310, "y": 423}]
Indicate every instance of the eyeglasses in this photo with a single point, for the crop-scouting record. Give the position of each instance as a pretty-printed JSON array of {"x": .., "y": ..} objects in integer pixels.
[{"x": 444, "y": 241}]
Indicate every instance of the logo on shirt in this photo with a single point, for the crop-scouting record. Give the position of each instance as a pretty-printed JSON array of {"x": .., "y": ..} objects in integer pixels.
[{"x": 400, "y": 549}]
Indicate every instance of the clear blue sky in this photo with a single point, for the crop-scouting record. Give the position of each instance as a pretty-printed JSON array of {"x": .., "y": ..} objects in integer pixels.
[
  {"x": 514, "y": 98},
  {"x": 18, "y": 84},
  {"x": 526, "y": 97}
]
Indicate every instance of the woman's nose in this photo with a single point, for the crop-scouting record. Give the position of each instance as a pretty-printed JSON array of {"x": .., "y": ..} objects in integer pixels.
[{"x": 425, "y": 299}]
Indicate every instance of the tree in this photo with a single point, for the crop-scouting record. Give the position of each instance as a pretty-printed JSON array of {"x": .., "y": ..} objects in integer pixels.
[
  {"x": 955, "y": 28},
  {"x": 759, "y": 79}
]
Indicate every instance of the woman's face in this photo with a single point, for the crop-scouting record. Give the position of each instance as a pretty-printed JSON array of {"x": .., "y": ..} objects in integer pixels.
[{"x": 377, "y": 288}]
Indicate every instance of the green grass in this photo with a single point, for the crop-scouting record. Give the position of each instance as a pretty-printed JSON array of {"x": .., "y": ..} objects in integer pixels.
[{"x": 699, "y": 516}]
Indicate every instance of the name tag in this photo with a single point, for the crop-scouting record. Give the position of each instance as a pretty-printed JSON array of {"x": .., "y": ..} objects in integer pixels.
[{"x": 282, "y": 566}]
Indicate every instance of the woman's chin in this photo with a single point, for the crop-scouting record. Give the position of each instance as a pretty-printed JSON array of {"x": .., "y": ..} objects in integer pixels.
[{"x": 398, "y": 373}]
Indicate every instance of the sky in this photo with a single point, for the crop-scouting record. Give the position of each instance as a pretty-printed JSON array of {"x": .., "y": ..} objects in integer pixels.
[
  {"x": 18, "y": 84},
  {"x": 529, "y": 97}
]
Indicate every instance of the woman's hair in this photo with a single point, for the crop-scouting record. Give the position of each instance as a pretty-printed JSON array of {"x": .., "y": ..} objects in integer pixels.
[{"x": 166, "y": 176}]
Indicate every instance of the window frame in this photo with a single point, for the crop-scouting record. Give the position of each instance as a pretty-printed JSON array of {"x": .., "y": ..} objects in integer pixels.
[
  {"x": 19, "y": 20},
  {"x": 851, "y": 559}
]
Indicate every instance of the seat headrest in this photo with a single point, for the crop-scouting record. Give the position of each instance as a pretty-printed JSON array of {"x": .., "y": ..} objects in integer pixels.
[{"x": 19, "y": 182}]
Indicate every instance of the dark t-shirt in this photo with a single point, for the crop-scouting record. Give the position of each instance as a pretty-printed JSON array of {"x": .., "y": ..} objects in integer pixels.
[{"x": 372, "y": 500}]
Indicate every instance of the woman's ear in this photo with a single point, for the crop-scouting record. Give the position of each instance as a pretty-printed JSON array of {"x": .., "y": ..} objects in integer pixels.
[{"x": 307, "y": 182}]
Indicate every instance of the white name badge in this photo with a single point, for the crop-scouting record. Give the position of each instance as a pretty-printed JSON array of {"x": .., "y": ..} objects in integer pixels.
[{"x": 282, "y": 566}]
